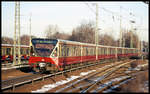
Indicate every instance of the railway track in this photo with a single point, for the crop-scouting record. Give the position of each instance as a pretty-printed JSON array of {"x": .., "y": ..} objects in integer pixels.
[
  {"x": 103, "y": 73},
  {"x": 19, "y": 81},
  {"x": 92, "y": 81}
]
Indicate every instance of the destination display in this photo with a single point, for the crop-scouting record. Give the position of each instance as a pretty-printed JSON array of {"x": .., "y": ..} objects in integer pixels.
[{"x": 44, "y": 41}]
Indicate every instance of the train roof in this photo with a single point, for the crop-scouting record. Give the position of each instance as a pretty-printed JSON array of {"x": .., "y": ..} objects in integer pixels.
[
  {"x": 80, "y": 43},
  {"x": 89, "y": 44},
  {"x": 13, "y": 45}
]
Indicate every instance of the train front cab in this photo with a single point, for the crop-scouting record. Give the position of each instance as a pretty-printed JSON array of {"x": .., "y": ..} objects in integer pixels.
[{"x": 44, "y": 55}]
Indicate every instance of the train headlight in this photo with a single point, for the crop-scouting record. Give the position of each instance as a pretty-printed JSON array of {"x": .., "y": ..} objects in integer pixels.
[
  {"x": 42, "y": 64},
  {"x": 42, "y": 60}
]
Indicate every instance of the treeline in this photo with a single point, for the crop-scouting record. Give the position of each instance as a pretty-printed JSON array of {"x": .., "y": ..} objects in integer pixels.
[{"x": 85, "y": 33}]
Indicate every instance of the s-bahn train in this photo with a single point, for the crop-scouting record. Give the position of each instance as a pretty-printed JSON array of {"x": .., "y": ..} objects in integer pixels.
[
  {"x": 7, "y": 51},
  {"x": 52, "y": 54}
]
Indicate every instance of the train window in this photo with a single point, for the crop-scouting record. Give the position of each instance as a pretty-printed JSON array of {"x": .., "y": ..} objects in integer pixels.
[
  {"x": 87, "y": 50},
  {"x": 54, "y": 54},
  {"x": 67, "y": 52},
  {"x": 74, "y": 51},
  {"x": 79, "y": 51},
  {"x": 21, "y": 51},
  {"x": 8, "y": 51},
  {"x": 70, "y": 51},
  {"x": 113, "y": 51},
  {"x": 91, "y": 51},
  {"x": 102, "y": 51},
  {"x": 99, "y": 49},
  {"x": 24, "y": 52},
  {"x": 62, "y": 50},
  {"x": 84, "y": 51},
  {"x": 110, "y": 51},
  {"x": 3, "y": 51},
  {"x": 120, "y": 51},
  {"x": 94, "y": 50},
  {"x": 27, "y": 51},
  {"x": 107, "y": 51}
]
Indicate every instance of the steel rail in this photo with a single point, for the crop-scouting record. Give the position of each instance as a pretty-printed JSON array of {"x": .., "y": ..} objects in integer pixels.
[
  {"x": 113, "y": 87},
  {"x": 110, "y": 71},
  {"x": 13, "y": 85},
  {"x": 104, "y": 86},
  {"x": 86, "y": 77},
  {"x": 81, "y": 87}
]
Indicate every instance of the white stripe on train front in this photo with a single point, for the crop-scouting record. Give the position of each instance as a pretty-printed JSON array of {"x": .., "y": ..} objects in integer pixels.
[
  {"x": 55, "y": 59},
  {"x": 42, "y": 64}
]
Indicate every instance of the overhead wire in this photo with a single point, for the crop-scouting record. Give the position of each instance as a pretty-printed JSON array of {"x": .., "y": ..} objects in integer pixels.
[{"x": 90, "y": 8}]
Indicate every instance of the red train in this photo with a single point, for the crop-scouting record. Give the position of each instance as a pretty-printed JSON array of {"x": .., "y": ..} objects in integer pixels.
[
  {"x": 49, "y": 54},
  {"x": 7, "y": 52}
]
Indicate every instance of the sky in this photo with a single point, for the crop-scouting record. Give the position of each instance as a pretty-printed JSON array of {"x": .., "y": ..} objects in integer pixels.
[{"x": 69, "y": 15}]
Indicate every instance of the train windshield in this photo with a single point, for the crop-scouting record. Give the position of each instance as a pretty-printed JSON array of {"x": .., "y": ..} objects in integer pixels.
[{"x": 43, "y": 47}]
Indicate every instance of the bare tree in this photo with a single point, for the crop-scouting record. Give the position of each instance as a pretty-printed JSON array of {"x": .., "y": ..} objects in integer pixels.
[
  {"x": 83, "y": 33},
  {"x": 51, "y": 30},
  {"x": 7, "y": 40},
  {"x": 127, "y": 37},
  {"x": 108, "y": 40},
  {"x": 25, "y": 39}
]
